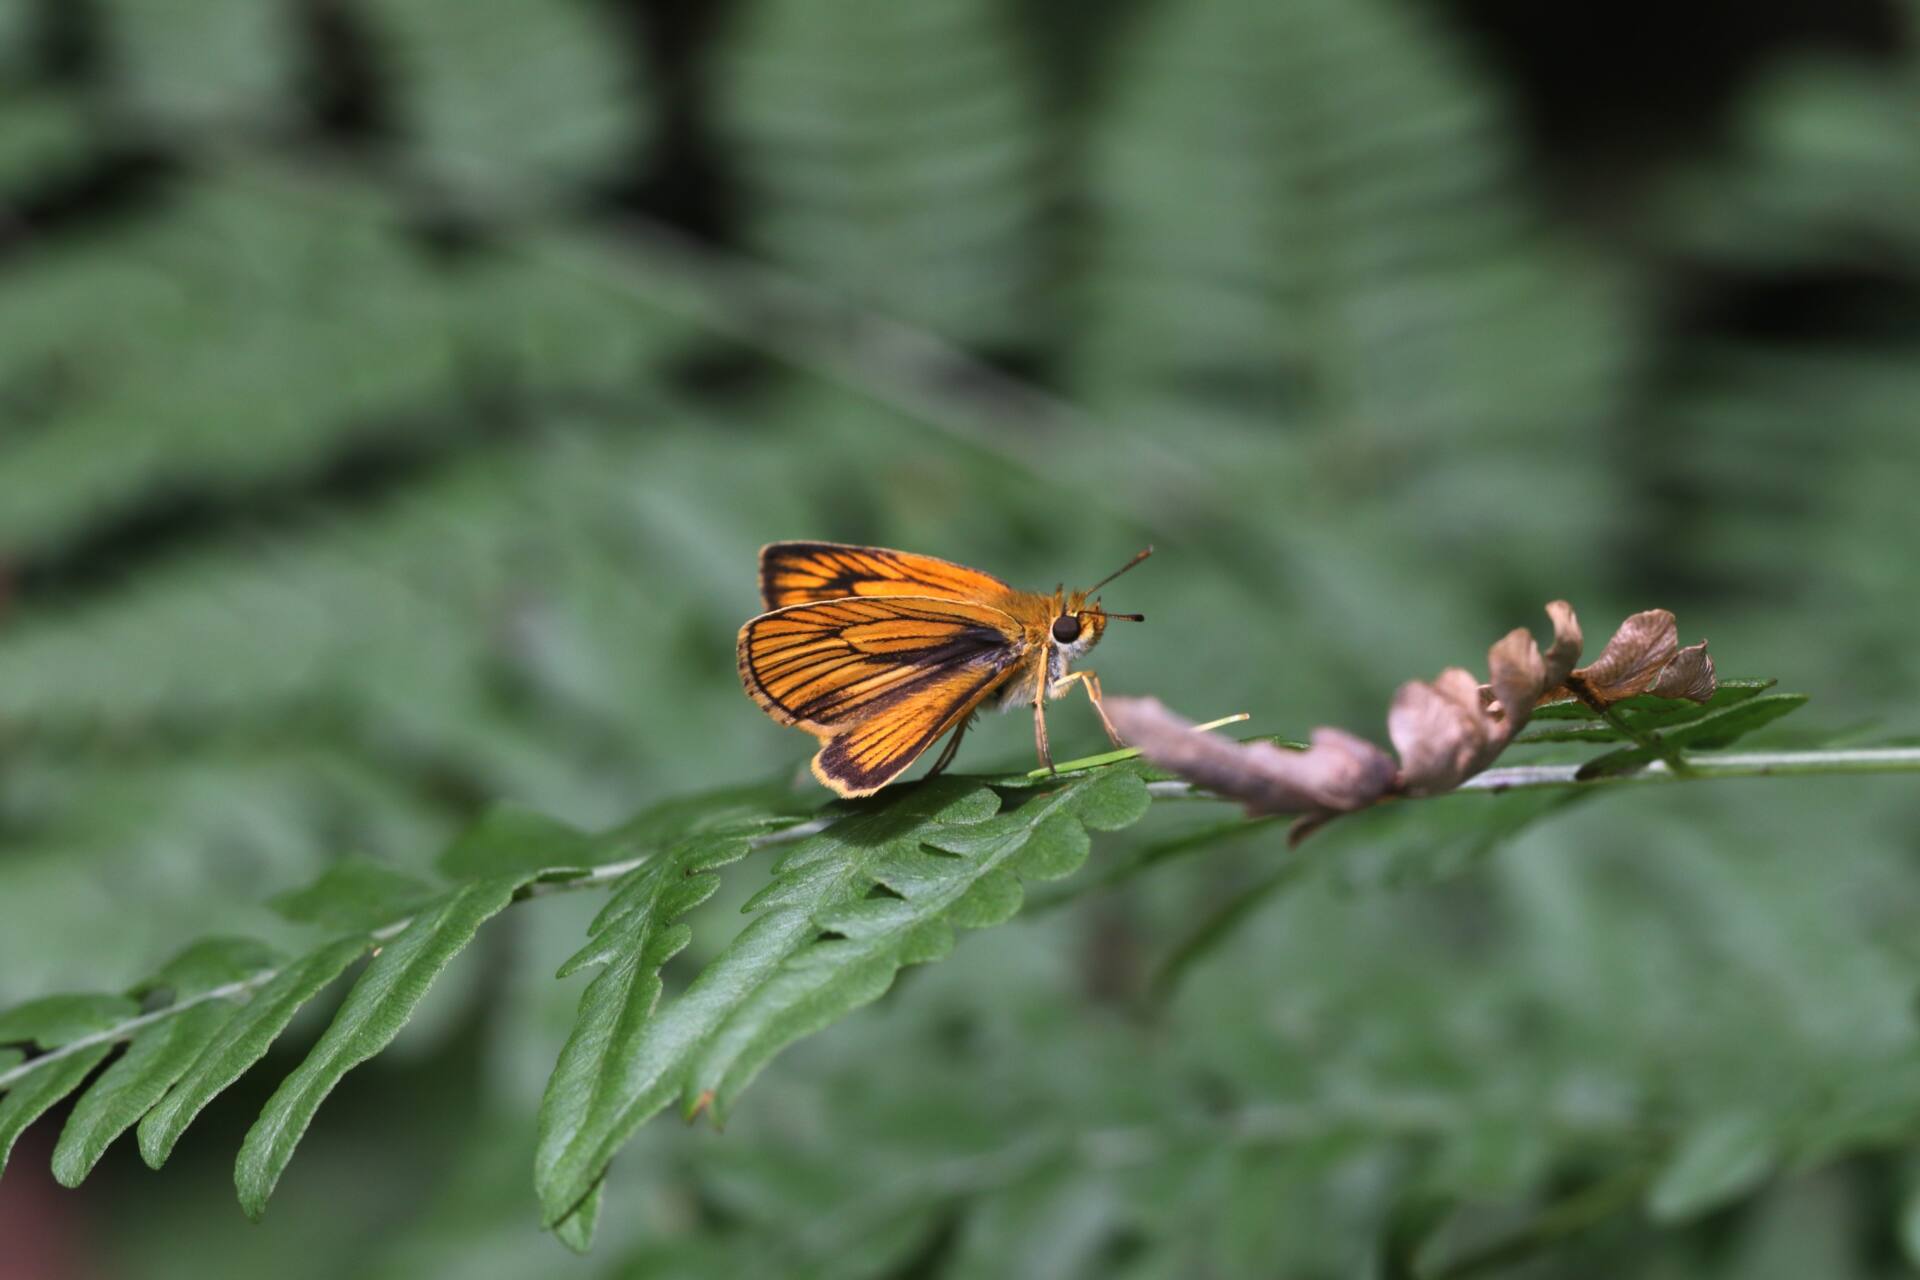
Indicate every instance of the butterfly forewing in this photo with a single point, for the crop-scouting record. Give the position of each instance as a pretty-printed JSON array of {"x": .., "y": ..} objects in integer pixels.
[
  {"x": 839, "y": 661},
  {"x": 877, "y": 679},
  {"x": 802, "y": 572}
]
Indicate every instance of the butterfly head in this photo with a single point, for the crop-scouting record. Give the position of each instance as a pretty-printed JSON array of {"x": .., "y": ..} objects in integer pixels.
[{"x": 1081, "y": 620}]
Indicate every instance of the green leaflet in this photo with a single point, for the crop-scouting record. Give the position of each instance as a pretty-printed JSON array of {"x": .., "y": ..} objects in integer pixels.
[
  {"x": 209, "y": 964},
  {"x": 634, "y": 935},
  {"x": 576, "y": 1229},
  {"x": 1720, "y": 729},
  {"x": 662, "y": 890},
  {"x": 373, "y": 1013},
  {"x": 620, "y": 1065},
  {"x": 1572, "y": 722},
  {"x": 30, "y": 1099},
  {"x": 161, "y": 1052},
  {"x": 240, "y": 1042},
  {"x": 353, "y": 895},
  {"x": 509, "y": 839},
  {"x": 970, "y": 879},
  {"x": 780, "y": 980},
  {"x": 52, "y": 1021},
  {"x": 129, "y": 1088},
  {"x": 744, "y": 810},
  {"x": 182, "y": 1057},
  {"x": 1720, "y": 1161},
  {"x": 827, "y": 174}
]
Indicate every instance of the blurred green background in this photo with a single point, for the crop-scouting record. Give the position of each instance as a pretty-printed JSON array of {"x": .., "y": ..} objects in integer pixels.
[{"x": 394, "y": 394}]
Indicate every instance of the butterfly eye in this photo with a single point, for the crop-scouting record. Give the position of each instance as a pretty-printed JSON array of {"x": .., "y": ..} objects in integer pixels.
[{"x": 1066, "y": 628}]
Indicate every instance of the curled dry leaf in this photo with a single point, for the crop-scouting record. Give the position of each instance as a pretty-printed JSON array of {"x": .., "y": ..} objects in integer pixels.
[
  {"x": 1448, "y": 730},
  {"x": 1445, "y": 730},
  {"x": 1644, "y": 656},
  {"x": 1689, "y": 675},
  {"x": 1338, "y": 772}
]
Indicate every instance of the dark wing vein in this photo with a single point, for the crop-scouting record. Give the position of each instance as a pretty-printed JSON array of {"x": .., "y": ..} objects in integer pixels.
[
  {"x": 844, "y": 661},
  {"x": 872, "y": 753},
  {"x": 807, "y": 572}
]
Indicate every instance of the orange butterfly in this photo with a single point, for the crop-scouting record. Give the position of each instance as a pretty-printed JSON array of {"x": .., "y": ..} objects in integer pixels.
[{"x": 877, "y": 653}]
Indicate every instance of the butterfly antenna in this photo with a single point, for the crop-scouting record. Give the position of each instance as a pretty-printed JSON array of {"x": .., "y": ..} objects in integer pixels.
[{"x": 1117, "y": 572}]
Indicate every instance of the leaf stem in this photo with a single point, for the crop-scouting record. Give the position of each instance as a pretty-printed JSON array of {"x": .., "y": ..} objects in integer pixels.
[
  {"x": 1646, "y": 739},
  {"x": 1748, "y": 764}
]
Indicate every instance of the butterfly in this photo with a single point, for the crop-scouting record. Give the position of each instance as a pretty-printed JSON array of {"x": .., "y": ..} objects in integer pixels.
[{"x": 878, "y": 653}]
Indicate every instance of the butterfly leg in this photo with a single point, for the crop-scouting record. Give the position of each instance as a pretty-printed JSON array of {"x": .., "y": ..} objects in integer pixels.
[
  {"x": 1091, "y": 683},
  {"x": 1040, "y": 722},
  {"x": 947, "y": 753}
]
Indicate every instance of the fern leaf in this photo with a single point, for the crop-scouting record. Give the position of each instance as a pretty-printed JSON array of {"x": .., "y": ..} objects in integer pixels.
[
  {"x": 1718, "y": 1161},
  {"x": 31, "y": 1099},
  {"x": 968, "y": 878},
  {"x": 1720, "y": 728},
  {"x": 129, "y": 1088},
  {"x": 888, "y": 150},
  {"x": 634, "y": 935},
  {"x": 354, "y": 894},
  {"x": 51, "y": 1023},
  {"x": 606, "y": 1086},
  {"x": 1642, "y": 712},
  {"x": 160, "y": 1054},
  {"x": 242, "y": 1040},
  {"x": 209, "y": 964},
  {"x": 576, "y": 1230},
  {"x": 821, "y": 946},
  {"x": 509, "y": 840},
  {"x": 231, "y": 53},
  {"x": 507, "y": 87},
  {"x": 375, "y": 1010}
]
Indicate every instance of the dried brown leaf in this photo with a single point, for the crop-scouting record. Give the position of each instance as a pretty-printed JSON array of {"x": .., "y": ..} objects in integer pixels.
[
  {"x": 1516, "y": 675},
  {"x": 1446, "y": 734},
  {"x": 1339, "y": 772},
  {"x": 1445, "y": 730},
  {"x": 1567, "y": 640},
  {"x": 1690, "y": 675},
  {"x": 1644, "y": 656},
  {"x": 1639, "y": 651},
  {"x": 1440, "y": 729}
]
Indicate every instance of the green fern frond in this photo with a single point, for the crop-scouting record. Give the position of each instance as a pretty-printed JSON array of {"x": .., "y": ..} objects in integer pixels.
[
  {"x": 894, "y": 153},
  {"x": 509, "y": 88},
  {"x": 227, "y": 1000},
  {"x": 1311, "y": 215},
  {"x": 865, "y": 890}
]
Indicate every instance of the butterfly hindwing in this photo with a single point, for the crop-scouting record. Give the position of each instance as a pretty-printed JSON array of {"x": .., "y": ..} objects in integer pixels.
[
  {"x": 877, "y": 679},
  {"x": 803, "y": 572},
  {"x": 867, "y": 756}
]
